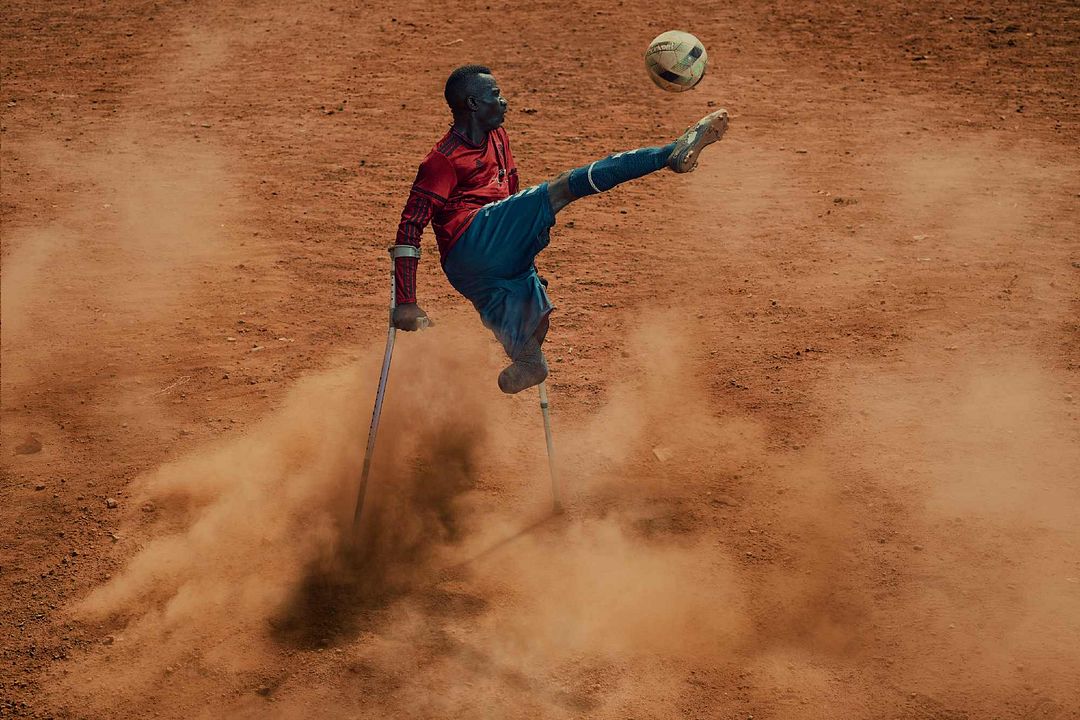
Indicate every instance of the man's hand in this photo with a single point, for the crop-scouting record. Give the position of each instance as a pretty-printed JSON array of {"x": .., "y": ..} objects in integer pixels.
[{"x": 409, "y": 316}]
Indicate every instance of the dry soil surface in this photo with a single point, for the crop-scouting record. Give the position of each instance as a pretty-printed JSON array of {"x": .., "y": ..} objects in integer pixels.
[{"x": 815, "y": 404}]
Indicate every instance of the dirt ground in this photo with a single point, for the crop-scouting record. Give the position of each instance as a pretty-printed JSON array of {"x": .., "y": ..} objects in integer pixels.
[{"x": 815, "y": 404}]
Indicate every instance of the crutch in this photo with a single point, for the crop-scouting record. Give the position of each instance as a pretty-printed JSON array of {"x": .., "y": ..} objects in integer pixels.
[
  {"x": 555, "y": 494},
  {"x": 396, "y": 251}
]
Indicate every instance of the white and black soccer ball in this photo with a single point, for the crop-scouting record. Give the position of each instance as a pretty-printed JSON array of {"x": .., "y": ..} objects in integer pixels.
[{"x": 676, "y": 60}]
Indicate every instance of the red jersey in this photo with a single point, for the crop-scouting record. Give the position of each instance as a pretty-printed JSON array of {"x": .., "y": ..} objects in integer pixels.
[{"x": 455, "y": 180}]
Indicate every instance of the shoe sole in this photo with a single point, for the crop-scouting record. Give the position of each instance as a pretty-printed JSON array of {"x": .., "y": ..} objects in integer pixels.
[{"x": 701, "y": 134}]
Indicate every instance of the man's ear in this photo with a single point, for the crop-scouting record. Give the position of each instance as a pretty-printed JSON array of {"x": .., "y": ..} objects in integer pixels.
[{"x": 470, "y": 103}]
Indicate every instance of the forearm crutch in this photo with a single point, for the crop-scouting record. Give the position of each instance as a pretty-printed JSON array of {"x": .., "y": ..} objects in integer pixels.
[
  {"x": 396, "y": 251},
  {"x": 555, "y": 494}
]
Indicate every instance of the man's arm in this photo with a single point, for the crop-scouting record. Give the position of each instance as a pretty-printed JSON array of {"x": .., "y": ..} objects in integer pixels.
[{"x": 434, "y": 182}]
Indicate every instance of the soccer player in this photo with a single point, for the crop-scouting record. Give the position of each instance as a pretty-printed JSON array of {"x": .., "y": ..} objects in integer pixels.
[{"x": 489, "y": 232}]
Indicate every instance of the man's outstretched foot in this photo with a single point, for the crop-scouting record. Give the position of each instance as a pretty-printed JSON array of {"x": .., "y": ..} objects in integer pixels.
[
  {"x": 704, "y": 132},
  {"x": 529, "y": 369}
]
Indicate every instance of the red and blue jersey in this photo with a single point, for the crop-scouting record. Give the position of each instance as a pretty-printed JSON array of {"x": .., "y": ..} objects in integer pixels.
[{"x": 456, "y": 179}]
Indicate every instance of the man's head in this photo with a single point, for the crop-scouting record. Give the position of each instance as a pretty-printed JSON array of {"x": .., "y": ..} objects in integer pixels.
[{"x": 471, "y": 91}]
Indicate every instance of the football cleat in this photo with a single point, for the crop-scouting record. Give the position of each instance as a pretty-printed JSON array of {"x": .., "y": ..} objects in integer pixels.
[{"x": 706, "y": 131}]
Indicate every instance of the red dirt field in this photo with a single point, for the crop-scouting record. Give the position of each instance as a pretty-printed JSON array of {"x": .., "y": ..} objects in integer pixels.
[{"x": 815, "y": 404}]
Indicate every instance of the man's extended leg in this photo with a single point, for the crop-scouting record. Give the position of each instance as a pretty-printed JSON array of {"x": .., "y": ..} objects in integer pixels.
[
  {"x": 602, "y": 175},
  {"x": 488, "y": 265},
  {"x": 529, "y": 367}
]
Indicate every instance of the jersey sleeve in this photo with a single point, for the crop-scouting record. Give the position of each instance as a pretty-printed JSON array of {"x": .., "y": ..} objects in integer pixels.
[{"x": 434, "y": 182}]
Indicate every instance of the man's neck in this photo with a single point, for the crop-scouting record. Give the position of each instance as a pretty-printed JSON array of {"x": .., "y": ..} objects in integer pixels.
[{"x": 471, "y": 130}]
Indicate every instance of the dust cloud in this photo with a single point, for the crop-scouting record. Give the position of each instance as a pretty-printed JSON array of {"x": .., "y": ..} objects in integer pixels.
[
  {"x": 150, "y": 216},
  {"x": 251, "y": 523},
  {"x": 253, "y": 554},
  {"x": 986, "y": 479},
  {"x": 464, "y": 592}
]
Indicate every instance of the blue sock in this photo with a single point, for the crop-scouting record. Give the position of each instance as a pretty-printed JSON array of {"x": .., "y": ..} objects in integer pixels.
[{"x": 605, "y": 174}]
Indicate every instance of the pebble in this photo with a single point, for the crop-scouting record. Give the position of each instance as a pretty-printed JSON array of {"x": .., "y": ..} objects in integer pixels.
[
  {"x": 39, "y": 486},
  {"x": 110, "y": 503}
]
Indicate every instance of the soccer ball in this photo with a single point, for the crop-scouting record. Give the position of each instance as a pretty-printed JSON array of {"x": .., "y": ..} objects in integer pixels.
[{"x": 676, "y": 60}]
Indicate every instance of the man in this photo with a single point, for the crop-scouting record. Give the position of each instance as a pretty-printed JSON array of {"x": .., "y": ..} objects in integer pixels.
[{"x": 489, "y": 233}]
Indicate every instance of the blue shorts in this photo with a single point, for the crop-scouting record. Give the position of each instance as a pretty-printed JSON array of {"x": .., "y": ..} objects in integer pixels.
[{"x": 491, "y": 264}]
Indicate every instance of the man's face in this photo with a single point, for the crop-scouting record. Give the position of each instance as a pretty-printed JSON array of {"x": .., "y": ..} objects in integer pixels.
[{"x": 488, "y": 103}]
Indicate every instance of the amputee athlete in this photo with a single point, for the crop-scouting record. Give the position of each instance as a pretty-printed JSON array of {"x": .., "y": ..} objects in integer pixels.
[{"x": 489, "y": 232}]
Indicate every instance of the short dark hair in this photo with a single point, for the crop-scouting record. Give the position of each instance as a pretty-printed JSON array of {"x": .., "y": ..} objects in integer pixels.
[{"x": 461, "y": 84}]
